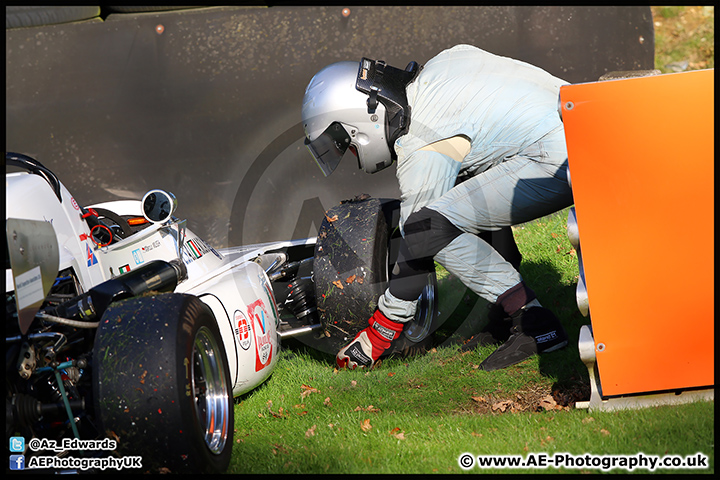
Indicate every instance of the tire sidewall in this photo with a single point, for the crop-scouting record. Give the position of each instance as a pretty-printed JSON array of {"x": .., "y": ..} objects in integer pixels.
[
  {"x": 144, "y": 390},
  {"x": 205, "y": 460}
]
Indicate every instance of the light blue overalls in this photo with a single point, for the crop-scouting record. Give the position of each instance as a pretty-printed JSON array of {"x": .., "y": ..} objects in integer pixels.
[{"x": 517, "y": 160}]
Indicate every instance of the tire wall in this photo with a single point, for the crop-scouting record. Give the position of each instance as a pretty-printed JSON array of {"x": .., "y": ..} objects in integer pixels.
[{"x": 205, "y": 102}]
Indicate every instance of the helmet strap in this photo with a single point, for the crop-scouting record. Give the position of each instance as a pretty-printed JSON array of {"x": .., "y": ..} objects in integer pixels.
[{"x": 386, "y": 84}]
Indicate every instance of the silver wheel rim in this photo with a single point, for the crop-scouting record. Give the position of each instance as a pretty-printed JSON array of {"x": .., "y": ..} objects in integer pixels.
[
  {"x": 210, "y": 391},
  {"x": 419, "y": 326}
]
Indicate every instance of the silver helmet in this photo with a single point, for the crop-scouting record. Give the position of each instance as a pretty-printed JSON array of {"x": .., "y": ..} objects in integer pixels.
[{"x": 336, "y": 118}]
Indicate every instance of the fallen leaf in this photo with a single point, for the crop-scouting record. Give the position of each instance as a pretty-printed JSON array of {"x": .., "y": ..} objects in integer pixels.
[
  {"x": 331, "y": 219},
  {"x": 479, "y": 399},
  {"x": 604, "y": 432},
  {"x": 366, "y": 427},
  {"x": 350, "y": 279},
  {"x": 370, "y": 408},
  {"x": 338, "y": 284},
  {"x": 502, "y": 405},
  {"x": 548, "y": 402},
  {"x": 395, "y": 432},
  {"x": 310, "y": 432},
  {"x": 281, "y": 448},
  {"x": 279, "y": 414},
  {"x": 353, "y": 383},
  {"x": 307, "y": 390},
  {"x": 360, "y": 280},
  {"x": 588, "y": 420}
]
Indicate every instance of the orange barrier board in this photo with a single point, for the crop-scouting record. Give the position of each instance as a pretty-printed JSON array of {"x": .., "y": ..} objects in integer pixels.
[{"x": 641, "y": 156}]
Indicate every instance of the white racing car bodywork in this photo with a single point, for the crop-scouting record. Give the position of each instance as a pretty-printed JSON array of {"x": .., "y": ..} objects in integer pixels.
[
  {"x": 122, "y": 323},
  {"x": 231, "y": 282},
  {"x": 121, "y": 319}
]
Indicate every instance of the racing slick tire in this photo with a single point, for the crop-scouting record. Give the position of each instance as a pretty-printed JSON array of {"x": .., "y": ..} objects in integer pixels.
[
  {"x": 356, "y": 247},
  {"x": 163, "y": 384}
]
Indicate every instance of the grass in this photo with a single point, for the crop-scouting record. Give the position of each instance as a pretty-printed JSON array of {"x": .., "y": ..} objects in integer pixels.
[
  {"x": 684, "y": 37},
  {"x": 420, "y": 415}
]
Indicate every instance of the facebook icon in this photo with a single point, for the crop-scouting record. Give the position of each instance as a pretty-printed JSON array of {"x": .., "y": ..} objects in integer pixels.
[{"x": 17, "y": 462}]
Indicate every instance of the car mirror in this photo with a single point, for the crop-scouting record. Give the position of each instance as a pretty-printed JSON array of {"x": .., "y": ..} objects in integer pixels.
[{"x": 158, "y": 206}]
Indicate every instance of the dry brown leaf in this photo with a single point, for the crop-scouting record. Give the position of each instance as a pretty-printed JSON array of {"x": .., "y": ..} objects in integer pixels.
[
  {"x": 331, "y": 219},
  {"x": 307, "y": 390},
  {"x": 548, "y": 402},
  {"x": 326, "y": 402},
  {"x": 338, "y": 284},
  {"x": 604, "y": 432},
  {"x": 370, "y": 408},
  {"x": 310, "y": 432},
  {"x": 479, "y": 399},
  {"x": 502, "y": 405},
  {"x": 366, "y": 427},
  {"x": 279, "y": 414},
  {"x": 350, "y": 279}
]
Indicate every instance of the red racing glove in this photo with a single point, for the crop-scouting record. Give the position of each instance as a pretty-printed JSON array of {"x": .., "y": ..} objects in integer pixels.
[{"x": 370, "y": 343}]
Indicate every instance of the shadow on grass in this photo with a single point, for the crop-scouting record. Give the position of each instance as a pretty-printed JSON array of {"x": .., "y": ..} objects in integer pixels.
[
  {"x": 572, "y": 381},
  {"x": 462, "y": 314}
]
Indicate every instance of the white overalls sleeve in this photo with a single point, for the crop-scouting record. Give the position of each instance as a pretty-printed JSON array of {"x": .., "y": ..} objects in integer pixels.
[{"x": 424, "y": 176}]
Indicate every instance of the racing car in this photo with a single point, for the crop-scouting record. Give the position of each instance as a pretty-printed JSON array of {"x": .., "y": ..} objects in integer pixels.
[{"x": 123, "y": 325}]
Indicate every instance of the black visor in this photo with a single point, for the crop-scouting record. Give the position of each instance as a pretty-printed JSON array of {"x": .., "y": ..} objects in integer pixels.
[{"x": 329, "y": 147}]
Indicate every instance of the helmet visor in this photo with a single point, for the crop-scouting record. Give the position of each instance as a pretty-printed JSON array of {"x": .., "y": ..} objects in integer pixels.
[{"x": 329, "y": 147}]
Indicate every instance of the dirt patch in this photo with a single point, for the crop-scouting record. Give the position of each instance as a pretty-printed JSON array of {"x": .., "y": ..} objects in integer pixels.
[
  {"x": 684, "y": 38},
  {"x": 531, "y": 398}
]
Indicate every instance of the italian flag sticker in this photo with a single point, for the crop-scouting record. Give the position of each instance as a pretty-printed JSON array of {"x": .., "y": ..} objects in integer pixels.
[{"x": 194, "y": 250}]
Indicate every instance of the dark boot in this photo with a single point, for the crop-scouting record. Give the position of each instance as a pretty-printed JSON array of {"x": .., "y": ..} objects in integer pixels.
[
  {"x": 495, "y": 332},
  {"x": 535, "y": 330}
]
